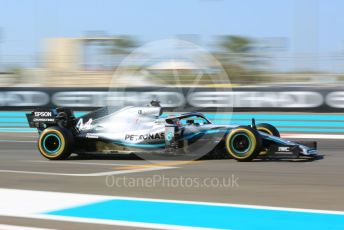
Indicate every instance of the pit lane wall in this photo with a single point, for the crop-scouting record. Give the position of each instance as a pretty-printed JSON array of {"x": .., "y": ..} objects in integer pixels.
[{"x": 291, "y": 109}]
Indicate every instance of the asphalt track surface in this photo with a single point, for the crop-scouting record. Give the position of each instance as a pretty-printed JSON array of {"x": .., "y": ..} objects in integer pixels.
[{"x": 296, "y": 184}]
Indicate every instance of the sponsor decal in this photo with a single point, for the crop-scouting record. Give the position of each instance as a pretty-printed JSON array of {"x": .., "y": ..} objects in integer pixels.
[
  {"x": 101, "y": 99},
  {"x": 148, "y": 136},
  {"x": 92, "y": 135},
  {"x": 335, "y": 99},
  {"x": 43, "y": 120},
  {"x": 24, "y": 98},
  {"x": 283, "y": 149},
  {"x": 299, "y": 99},
  {"x": 289, "y": 97},
  {"x": 43, "y": 114}
]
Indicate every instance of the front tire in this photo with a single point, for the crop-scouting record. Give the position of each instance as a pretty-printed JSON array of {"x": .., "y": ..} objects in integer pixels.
[
  {"x": 55, "y": 143},
  {"x": 268, "y": 129},
  {"x": 243, "y": 143}
]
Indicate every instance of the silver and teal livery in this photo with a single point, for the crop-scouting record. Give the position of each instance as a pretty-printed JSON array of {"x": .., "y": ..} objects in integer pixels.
[{"x": 141, "y": 129}]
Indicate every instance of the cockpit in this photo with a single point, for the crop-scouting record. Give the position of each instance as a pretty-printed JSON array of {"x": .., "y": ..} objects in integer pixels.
[{"x": 194, "y": 119}]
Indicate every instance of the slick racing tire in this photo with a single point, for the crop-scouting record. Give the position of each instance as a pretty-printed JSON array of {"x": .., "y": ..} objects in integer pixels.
[
  {"x": 268, "y": 129},
  {"x": 55, "y": 143},
  {"x": 243, "y": 143}
]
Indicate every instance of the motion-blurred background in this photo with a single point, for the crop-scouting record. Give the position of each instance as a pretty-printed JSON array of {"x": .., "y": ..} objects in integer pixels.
[{"x": 80, "y": 43}]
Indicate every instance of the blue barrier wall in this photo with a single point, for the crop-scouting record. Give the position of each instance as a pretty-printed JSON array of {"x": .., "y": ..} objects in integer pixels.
[{"x": 286, "y": 123}]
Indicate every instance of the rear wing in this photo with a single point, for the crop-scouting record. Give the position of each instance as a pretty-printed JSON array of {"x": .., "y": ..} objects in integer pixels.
[{"x": 45, "y": 117}]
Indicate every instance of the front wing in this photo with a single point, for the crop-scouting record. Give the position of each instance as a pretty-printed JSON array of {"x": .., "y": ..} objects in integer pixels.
[{"x": 280, "y": 147}]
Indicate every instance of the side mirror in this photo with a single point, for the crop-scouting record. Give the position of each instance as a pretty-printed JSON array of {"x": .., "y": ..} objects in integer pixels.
[{"x": 253, "y": 125}]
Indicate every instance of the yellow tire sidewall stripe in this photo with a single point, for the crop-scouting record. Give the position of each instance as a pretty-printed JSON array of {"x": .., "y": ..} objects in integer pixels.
[
  {"x": 250, "y": 134},
  {"x": 266, "y": 130},
  {"x": 59, "y": 134}
]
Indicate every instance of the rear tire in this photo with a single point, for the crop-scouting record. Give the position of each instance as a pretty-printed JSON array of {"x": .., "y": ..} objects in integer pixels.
[
  {"x": 243, "y": 143},
  {"x": 56, "y": 143}
]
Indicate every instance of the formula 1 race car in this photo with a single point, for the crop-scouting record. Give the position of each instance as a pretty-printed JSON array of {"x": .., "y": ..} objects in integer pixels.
[{"x": 144, "y": 130}]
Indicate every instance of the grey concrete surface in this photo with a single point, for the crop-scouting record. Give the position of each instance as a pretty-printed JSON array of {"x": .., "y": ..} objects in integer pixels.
[{"x": 298, "y": 184}]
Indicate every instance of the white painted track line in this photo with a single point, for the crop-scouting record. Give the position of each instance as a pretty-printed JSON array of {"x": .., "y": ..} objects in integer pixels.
[
  {"x": 108, "y": 173},
  {"x": 115, "y": 222},
  {"x": 16, "y": 227},
  {"x": 32, "y": 201},
  {"x": 18, "y": 202},
  {"x": 34, "y": 204},
  {"x": 16, "y": 141},
  {"x": 31, "y": 204},
  {"x": 79, "y": 163},
  {"x": 313, "y": 136}
]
